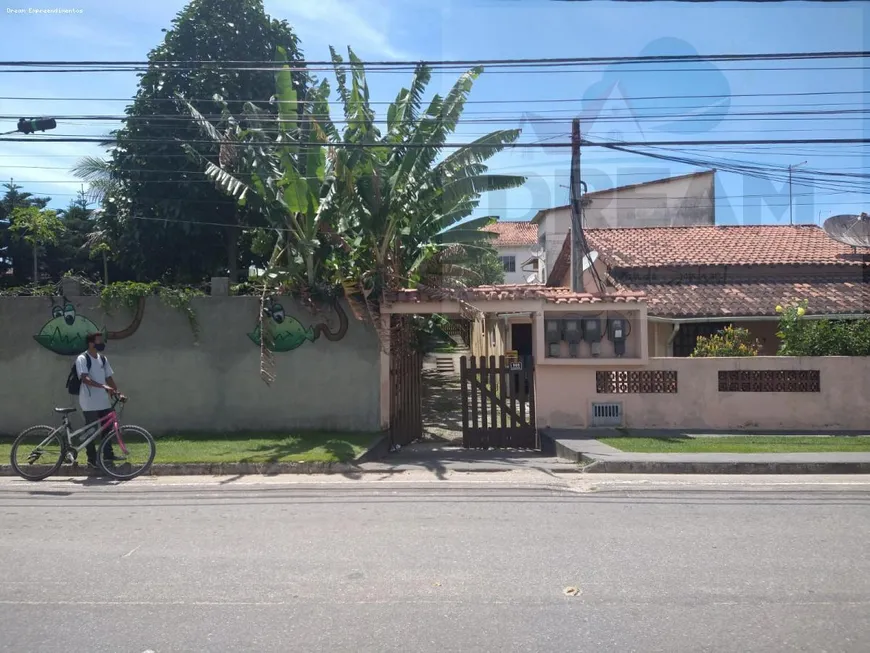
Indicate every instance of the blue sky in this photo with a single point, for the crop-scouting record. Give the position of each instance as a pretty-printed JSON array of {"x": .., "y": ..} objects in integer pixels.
[{"x": 494, "y": 29}]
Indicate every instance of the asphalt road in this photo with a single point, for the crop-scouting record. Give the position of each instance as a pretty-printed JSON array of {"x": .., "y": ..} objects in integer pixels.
[{"x": 233, "y": 565}]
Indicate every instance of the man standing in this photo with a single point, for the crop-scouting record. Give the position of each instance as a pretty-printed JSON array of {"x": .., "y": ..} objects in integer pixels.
[{"x": 97, "y": 386}]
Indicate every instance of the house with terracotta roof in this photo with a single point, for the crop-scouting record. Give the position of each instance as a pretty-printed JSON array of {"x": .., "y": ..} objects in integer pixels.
[
  {"x": 514, "y": 242},
  {"x": 698, "y": 279}
]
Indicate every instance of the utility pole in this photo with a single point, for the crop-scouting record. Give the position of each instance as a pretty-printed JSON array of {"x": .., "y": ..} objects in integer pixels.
[
  {"x": 576, "y": 210},
  {"x": 790, "y": 211}
]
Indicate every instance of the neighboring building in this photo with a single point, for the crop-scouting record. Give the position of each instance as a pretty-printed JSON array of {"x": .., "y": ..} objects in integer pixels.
[
  {"x": 514, "y": 243},
  {"x": 699, "y": 279},
  {"x": 686, "y": 200}
]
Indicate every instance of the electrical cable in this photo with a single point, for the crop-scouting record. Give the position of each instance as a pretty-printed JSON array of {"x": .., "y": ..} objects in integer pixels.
[
  {"x": 766, "y": 56},
  {"x": 467, "y": 102}
]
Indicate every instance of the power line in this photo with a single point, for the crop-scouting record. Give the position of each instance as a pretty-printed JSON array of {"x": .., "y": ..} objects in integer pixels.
[
  {"x": 766, "y": 56},
  {"x": 569, "y": 112},
  {"x": 729, "y": 113},
  {"x": 182, "y": 171},
  {"x": 530, "y": 101},
  {"x": 496, "y": 71},
  {"x": 698, "y": 143}
]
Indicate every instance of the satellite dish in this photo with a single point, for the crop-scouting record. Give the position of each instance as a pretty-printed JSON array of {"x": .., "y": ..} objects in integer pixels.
[
  {"x": 589, "y": 260},
  {"x": 532, "y": 278},
  {"x": 851, "y": 230},
  {"x": 537, "y": 251}
]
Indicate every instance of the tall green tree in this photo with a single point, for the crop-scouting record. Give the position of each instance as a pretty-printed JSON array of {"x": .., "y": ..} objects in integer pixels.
[
  {"x": 167, "y": 208},
  {"x": 38, "y": 228},
  {"x": 14, "y": 252},
  {"x": 65, "y": 254}
]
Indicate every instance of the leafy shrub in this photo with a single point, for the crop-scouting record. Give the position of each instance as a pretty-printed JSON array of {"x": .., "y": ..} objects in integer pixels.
[
  {"x": 727, "y": 342},
  {"x": 803, "y": 337}
]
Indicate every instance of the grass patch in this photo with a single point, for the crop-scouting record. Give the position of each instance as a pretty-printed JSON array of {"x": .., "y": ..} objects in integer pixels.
[
  {"x": 742, "y": 444},
  {"x": 323, "y": 447}
]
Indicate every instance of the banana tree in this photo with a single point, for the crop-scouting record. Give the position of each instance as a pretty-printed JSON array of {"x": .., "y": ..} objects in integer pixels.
[
  {"x": 408, "y": 210},
  {"x": 282, "y": 173}
]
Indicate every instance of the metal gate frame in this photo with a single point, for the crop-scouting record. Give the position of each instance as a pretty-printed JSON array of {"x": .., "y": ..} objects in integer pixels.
[{"x": 406, "y": 385}]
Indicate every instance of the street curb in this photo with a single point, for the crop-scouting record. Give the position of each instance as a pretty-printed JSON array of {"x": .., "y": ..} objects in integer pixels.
[
  {"x": 377, "y": 450},
  {"x": 219, "y": 469},
  {"x": 599, "y": 466},
  {"x": 596, "y": 461},
  {"x": 274, "y": 469}
]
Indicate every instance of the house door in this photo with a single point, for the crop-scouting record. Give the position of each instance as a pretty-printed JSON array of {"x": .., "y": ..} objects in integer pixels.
[
  {"x": 521, "y": 339},
  {"x": 521, "y": 342}
]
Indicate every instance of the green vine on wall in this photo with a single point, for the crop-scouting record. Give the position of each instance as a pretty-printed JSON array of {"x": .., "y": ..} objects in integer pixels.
[{"x": 126, "y": 294}]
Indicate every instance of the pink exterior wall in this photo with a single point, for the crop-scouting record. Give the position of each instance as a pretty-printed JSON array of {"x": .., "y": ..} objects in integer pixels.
[{"x": 564, "y": 396}]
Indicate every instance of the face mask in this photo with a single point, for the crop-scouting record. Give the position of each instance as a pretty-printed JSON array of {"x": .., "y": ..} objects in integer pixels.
[{"x": 100, "y": 347}]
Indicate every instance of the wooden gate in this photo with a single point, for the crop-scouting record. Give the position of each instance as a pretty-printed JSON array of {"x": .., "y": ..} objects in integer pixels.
[
  {"x": 498, "y": 402},
  {"x": 406, "y": 386}
]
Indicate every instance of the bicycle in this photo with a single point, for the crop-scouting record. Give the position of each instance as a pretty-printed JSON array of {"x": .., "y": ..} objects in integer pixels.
[{"x": 133, "y": 441}]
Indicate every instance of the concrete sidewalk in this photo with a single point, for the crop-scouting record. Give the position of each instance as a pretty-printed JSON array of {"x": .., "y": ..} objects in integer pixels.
[
  {"x": 580, "y": 447},
  {"x": 441, "y": 457}
]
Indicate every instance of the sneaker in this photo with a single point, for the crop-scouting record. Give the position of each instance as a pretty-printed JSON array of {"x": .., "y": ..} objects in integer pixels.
[{"x": 92, "y": 464}]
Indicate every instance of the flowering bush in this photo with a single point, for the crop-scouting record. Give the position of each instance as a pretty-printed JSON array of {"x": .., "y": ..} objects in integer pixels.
[
  {"x": 802, "y": 337},
  {"x": 727, "y": 342}
]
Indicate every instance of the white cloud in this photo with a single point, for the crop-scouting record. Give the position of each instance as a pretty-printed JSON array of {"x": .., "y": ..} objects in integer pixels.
[{"x": 340, "y": 23}]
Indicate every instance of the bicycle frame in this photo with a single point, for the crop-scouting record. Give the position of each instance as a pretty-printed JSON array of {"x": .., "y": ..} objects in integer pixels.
[{"x": 103, "y": 425}]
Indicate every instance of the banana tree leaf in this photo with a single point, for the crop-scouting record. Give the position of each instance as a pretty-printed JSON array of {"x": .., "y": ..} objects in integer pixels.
[
  {"x": 456, "y": 191},
  {"x": 454, "y": 103},
  {"x": 295, "y": 192},
  {"x": 480, "y": 150},
  {"x": 288, "y": 100}
]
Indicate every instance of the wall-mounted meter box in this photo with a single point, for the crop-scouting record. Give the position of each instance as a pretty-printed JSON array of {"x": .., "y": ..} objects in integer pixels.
[
  {"x": 592, "y": 334},
  {"x": 573, "y": 334},
  {"x": 553, "y": 336},
  {"x": 619, "y": 329}
]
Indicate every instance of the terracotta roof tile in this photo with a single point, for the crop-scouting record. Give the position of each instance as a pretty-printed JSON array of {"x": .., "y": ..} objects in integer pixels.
[
  {"x": 753, "y": 298},
  {"x": 513, "y": 234},
  {"x": 727, "y": 245},
  {"x": 512, "y": 291}
]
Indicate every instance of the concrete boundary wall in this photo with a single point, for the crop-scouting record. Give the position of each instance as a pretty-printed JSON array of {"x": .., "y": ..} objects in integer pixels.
[
  {"x": 175, "y": 383},
  {"x": 565, "y": 396}
]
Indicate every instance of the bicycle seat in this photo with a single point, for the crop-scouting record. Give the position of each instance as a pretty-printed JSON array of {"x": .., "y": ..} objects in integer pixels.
[{"x": 64, "y": 411}]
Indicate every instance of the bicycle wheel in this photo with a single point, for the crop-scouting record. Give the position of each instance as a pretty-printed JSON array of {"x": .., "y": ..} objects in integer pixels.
[
  {"x": 37, "y": 453},
  {"x": 127, "y": 453}
]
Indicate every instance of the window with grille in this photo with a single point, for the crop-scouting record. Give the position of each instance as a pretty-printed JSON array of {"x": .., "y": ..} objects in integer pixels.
[{"x": 509, "y": 263}]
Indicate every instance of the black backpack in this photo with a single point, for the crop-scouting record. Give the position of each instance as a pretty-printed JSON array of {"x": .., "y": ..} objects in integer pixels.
[{"x": 73, "y": 382}]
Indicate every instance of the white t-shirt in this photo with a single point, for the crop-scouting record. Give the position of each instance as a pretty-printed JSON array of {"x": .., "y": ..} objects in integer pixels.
[{"x": 94, "y": 398}]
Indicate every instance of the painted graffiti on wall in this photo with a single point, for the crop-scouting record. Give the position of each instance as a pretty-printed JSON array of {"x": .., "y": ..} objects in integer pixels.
[
  {"x": 287, "y": 333},
  {"x": 67, "y": 330}
]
